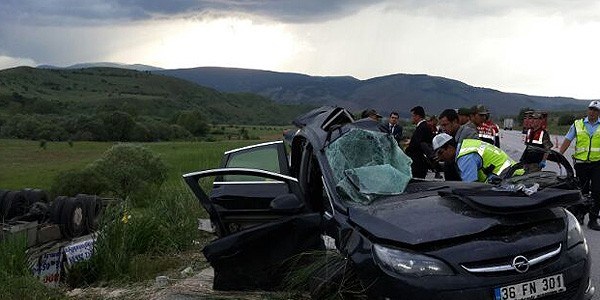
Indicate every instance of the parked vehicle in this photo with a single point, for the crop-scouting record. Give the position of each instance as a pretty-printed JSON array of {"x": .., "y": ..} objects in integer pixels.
[
  {"x": 508, "y": 124},
  {"x": 348, "y": 188}
]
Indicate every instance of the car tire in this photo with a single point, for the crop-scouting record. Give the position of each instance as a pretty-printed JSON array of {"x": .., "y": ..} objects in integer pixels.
[
  {"x": 73, "y": 218},
  {"x": 92, "y": 207}
]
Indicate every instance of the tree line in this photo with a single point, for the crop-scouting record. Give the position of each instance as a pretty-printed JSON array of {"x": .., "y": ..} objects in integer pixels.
[{"x": 103, "y": 126}]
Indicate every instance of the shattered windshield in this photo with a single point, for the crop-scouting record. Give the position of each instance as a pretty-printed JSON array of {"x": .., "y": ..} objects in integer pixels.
[{"x": 367, "y": 165}]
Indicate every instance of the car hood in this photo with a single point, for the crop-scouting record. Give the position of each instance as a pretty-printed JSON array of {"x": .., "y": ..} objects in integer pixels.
[{"x": 428, "y": 217}]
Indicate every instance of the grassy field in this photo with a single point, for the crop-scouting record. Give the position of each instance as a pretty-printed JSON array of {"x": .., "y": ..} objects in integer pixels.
[{"x": 25, "y": 164}]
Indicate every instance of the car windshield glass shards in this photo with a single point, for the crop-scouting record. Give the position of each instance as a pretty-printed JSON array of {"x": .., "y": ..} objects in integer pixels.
[{"x": 368, "y": 165}]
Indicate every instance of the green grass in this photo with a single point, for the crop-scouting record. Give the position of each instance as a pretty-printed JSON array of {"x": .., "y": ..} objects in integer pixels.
[
  {"x": 16, "y": 281},
  {"x": 25, "y": 164}
]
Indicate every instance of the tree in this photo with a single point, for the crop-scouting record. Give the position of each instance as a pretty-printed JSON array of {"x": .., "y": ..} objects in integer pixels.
[
  {"x": 129, "y": 169},
  {"x": 194, "y": 122},
  {"x": 118, "y": 125}
]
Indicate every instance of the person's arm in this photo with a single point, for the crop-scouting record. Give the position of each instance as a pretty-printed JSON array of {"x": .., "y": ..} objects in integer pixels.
[
  {"x": 567, "y": 141},
  {"x": 468, "y": 165}
]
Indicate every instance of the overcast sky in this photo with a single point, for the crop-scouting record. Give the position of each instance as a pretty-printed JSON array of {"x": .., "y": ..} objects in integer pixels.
[{"x": 536, "y": 47}]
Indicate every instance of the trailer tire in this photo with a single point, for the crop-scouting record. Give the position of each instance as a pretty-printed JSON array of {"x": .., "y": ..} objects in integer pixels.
[
  {"x": 35, "y": 195},
  {"x": 56, "y": 209},
  {"x": 2, "y": 196},
  {"x": 14, "y": 204},
  {"x": 73, "y": 218},
  {"x": 92, "y": 206}
]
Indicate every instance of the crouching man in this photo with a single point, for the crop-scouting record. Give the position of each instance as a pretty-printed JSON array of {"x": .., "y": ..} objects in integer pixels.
[{"x": 476, "y": 160}]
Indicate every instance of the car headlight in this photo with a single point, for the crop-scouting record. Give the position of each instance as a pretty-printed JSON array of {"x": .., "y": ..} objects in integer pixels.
[
  {"x": 574, "y": 232},
  {"x": 397, "y": 262}
]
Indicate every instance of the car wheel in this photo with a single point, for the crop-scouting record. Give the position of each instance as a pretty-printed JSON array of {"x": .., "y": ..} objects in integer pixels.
[{"x": 73, "y": 218}]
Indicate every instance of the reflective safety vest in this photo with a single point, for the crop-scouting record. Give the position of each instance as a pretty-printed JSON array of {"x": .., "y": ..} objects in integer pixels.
[
  {"x": 494, "y": 159},
  {"x": 533, "y": 138},
  {"x": 587, "y": 148}
]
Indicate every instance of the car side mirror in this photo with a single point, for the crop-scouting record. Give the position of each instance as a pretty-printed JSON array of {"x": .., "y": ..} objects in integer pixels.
[{"x": 287, "y": 203}]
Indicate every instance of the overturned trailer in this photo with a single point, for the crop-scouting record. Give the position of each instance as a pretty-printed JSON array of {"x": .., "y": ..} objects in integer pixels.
[{"x": 57, "y": 232}]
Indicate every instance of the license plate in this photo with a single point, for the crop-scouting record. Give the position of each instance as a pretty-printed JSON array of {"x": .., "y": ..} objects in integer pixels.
[{"x": 531, "y": 289}]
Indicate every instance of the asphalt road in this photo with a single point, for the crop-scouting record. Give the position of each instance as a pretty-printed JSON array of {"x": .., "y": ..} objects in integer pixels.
[{"x": 512, "y": 143}]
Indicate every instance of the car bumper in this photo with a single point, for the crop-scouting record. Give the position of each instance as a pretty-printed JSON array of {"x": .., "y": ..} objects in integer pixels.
[{"x": 574, "y": 265}]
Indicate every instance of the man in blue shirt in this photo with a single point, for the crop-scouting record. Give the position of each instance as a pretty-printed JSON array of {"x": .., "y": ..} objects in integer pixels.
[{"x": 587, "y": 161}]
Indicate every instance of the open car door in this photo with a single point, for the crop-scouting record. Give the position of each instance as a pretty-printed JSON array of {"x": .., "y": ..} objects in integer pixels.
[
  {"x": 259, "y": 215},
  {"x": 251, "y": 187}
]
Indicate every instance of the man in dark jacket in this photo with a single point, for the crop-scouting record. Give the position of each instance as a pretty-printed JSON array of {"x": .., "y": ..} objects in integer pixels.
[
  {"x": 419, "y": 148},
  {"x": 394, "y": 128}
]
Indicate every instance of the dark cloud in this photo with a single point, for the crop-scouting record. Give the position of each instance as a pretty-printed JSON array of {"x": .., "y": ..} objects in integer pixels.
[{"x": 65, "y": 12}]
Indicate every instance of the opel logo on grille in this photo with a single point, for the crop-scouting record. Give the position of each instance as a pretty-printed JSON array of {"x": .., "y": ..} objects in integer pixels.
[{"x": 521, "y": 264}]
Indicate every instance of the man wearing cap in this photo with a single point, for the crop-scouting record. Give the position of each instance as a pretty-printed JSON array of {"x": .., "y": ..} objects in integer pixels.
[
  {"x": 464, "y": 116},
  {"x": 476, "y": 159},
  {"x": 537, "y": 145},
  {"x": 587, "y": 159},
  {"x": 371, "y": 115},
  {"x": 488, "y": 131},
  {"x": 419, "y": 147}
]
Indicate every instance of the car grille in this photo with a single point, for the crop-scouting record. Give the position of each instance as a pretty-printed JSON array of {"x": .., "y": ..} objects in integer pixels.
[{"x": 535, "y": 258}]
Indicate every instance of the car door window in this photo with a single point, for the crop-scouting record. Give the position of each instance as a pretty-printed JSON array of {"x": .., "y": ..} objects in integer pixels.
[{"x": 266, "y": 157}]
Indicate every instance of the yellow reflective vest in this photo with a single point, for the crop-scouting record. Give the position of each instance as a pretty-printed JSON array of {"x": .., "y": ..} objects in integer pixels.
[
  {"x": 587, "y": 147},
  {"x": 494, "y": 159}
]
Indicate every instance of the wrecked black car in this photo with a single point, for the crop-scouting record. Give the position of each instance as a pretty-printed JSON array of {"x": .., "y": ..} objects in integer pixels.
[{"x": 347, "y": 188}]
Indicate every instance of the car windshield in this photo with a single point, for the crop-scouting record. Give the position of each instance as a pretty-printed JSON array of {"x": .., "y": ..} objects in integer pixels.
[{"x": 368, "y": 165}]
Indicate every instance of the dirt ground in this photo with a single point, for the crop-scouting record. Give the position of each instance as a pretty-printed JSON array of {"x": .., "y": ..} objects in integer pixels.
[{"x": 197, "y": 285}]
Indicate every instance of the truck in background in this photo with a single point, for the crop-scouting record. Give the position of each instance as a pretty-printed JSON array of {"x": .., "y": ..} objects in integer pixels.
[{"x": 508, "y": 124}]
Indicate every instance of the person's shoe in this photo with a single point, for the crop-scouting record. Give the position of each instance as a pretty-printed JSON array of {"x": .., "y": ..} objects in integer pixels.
[{"x": 593, "y": 225}]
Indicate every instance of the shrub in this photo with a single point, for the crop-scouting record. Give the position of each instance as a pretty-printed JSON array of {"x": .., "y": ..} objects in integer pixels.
[
  {"x": 167, "y": 225},
  {"x": 128, "y": 169},
  {"x": 73, "y": 182}
]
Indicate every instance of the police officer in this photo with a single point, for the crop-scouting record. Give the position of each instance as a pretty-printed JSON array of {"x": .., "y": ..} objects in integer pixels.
[
  {"x": 587, "y": 158},
  {"x": 476, "y": 160},
  {"x": 537, "y": 140}
]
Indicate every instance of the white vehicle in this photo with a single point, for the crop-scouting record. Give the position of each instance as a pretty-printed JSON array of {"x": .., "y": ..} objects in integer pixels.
[{"x": 508, "y": 124}]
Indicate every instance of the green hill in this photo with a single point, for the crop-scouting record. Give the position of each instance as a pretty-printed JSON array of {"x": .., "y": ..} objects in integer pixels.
[{"x": 58, "y": 97}]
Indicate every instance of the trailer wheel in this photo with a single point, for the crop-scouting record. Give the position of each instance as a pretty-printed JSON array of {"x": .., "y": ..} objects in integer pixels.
[
  {"x": 35, "y": 195},
  {"x": 2, "y": 196},
  {"x": 14, "y": 204},
  {"x": 56, "y": 209},
  {"x": 92, "y": 206},
  {"x": 73, "y": 218}
]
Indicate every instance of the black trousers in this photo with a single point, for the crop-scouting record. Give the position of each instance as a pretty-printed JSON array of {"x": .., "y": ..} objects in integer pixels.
[{"x": 588, "y": 175}]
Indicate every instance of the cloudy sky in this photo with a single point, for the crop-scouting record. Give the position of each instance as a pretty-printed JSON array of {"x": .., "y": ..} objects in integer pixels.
[{"x": 536, "y": 47}]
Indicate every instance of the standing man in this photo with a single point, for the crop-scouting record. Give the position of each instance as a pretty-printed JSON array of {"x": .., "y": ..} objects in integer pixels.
[
  {"x": 464, "y": 116},
  {"x": 371, "y": 115},
  {"x": 587, "y": 158},
  {"x": 419, "y": 148},
  {"x": 487, "y": 130},
  {"x": 536, "y": 141},
  {"x": 394, "y": 128},
  {"x": 449, "y": 123}
]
